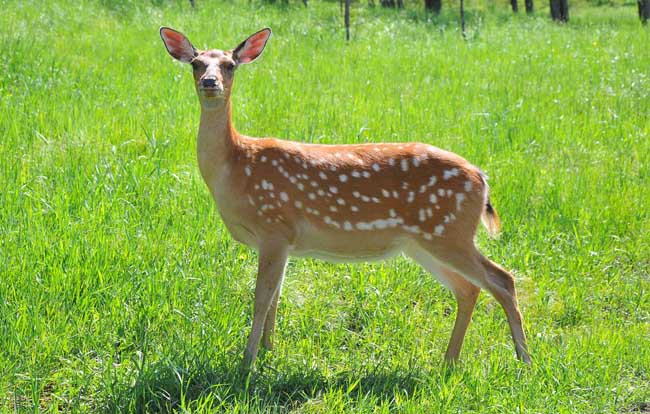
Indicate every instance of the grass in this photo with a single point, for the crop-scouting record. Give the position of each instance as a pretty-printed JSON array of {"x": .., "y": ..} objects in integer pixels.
[{"x": 121, "y": 290}]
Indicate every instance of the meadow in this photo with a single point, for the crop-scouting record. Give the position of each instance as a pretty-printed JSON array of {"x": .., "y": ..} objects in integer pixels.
[{"x": 121, "y": 290}]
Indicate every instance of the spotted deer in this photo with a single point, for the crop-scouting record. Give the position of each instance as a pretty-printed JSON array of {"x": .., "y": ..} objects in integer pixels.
[{"x": 341, "y": 203}]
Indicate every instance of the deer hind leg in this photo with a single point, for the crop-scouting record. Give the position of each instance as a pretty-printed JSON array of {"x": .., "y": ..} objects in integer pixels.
[
  {"x": 472, "y": 265},
  {"x": 272, "y": 261},
  {"x": 269, "y": 323},
  {"x": 501, "y": 285},
  {"x": 466, "y": 294}
]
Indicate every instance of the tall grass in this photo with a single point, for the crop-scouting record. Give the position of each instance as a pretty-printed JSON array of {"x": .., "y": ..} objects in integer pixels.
[{"x": 121, "y": 290}]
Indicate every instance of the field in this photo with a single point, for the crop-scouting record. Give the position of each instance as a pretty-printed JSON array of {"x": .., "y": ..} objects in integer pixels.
[{"x": 121, "y": 291}]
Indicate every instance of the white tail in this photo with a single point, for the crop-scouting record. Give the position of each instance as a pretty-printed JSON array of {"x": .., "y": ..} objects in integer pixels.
[{"x": 341, "y": 202}]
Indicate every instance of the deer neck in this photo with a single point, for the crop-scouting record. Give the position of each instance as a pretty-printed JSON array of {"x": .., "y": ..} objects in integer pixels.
[{"x": 216, "y": 141}]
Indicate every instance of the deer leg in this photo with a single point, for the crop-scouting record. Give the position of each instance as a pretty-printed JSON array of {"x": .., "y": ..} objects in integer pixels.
[
  {"x": 269, "y": 324},
  {"x": 466, "y": 294},
  {"x": 501, "y": 285},
  {"x": 272, "y": 260},
  {"x": 484, "y": 273}
]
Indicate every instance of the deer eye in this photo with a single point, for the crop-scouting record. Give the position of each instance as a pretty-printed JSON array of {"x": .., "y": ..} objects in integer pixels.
[
  {"x": 196, "y": 65},
  {"x": 229, "y": 66}
]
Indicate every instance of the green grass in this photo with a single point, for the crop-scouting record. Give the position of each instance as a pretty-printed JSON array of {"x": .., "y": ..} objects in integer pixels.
[{"x": 121, "y": 291}]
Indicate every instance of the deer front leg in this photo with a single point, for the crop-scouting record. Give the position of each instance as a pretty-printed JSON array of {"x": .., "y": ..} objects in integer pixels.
[{"x": 272, "y": 260}]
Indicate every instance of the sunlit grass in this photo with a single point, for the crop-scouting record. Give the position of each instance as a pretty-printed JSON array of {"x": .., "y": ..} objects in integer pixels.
[{"x": 121, "y": 290}]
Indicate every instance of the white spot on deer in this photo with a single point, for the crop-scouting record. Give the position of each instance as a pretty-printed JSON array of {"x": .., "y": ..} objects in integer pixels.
[
  {"x": 298, "y": 204},
  {"x": 432, "y": 181},
  {"x": 251, "y": 201},
  {"x": 343, "y": 178},
  {"x": 354, "y": 209},
  {"x": 265, "y": 185},
  {"x": 395, "y": 194},
  {"x": 363, "y": 226},
  {"x": 301, "y": 186},
  {"x": 422, "y": 189},
  {"x": 340, "y": 201},
  {"x": 411, "y": 197},
  {"x": 422, "y": 214},
  {"x": 304, "y": 176},
  {"x": 405, "y": 185},
  {"x": 365, "y": 198},
  {"x": 351, "y": 156},
  {"x": 441, "y": 192},
  {"x": 375, "y": 167},
  {"x": 314, "y": 184},
  {"x": 427, "y": 236},
  {"x": 333, "y": 168},
  {"x": 468, "y": 186},
  {"x": 433, "y": 199},
  {"x": 321, "y": 192},
  {"x": 347, "y": 226},
  {"x": 447, "y": 174},
  {"x": 322, "y": 175},
  {"x": 404, "y": 164},
  {"x": 355, "y": 174},
  {"x": 412, "y": 229},
  {"x": 293, "y": 179},
  {"x": 333, "y": 189},
  {"x": 392, "y": 213},
  {"x": 385, "y": 193},
  {"x": 263, "y": 158},
  {"x": 274, "y": 163},
  {"x": 375, "y": 199},
  {"x": 391, "y": 162},
  {"x": 460, "y": 197},
  {"x": 439, "y": 230},
  {"x": 333, "y": 209},
  {"x": 284, "y": 197},
  {"x": 429, "y": 212},
  {"x": 311, "y": 196},
  {"x": 257, "y": 186},
  {"x": 271, "y": 194},
  {"x": 286, "y": 155},
  {"x": 449, "y": 192},
  {"x": 416, "y": 162},
  {"x": 366, "y": 174},
  {"x": 247, "y": 170},
  {"x": 356, "y": 194}
]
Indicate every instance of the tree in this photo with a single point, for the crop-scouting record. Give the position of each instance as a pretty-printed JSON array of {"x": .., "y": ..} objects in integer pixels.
[
  {"x": 644, "y": 10},
  {"x": 515, "y": 6},
  {"x": 434, "y": 5},
  {"x": 529, "y": 6},
  {"x": 560, "y": 10}
]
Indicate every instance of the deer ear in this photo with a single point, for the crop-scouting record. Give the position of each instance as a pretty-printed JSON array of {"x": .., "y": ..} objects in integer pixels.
[
  {"x": 251, "y": 48},
  {"x": 178, "y": 45}
]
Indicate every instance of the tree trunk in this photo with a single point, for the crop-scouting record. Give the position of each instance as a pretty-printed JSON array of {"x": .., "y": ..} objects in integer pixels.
[
  {"x": 400, "y": 4},
  {"x": 515, "y": 6},
  {"x": 462, "y": 18},
  {"x": 529, "y": 6},
  {"x": 644, "y": 10},
  {"x": 435, "y": 5},
  {"x": 560, "y": 10},
  {"x": 347, "y": 19},
  {"x": 388, "y": 3}
]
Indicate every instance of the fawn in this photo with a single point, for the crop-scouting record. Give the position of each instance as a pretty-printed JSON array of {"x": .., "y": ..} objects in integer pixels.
[{"x": 341, "y": 202}]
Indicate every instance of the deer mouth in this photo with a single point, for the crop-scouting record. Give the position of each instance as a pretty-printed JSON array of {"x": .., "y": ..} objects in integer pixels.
[{"x": 211, "y": 92}]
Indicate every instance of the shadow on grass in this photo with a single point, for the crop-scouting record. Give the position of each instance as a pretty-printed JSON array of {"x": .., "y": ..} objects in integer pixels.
[{"x": 167, "y": 388}]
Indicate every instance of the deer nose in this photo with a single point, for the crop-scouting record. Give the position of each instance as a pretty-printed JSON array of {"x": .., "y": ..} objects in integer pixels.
[{"x": 209, "y": 82}]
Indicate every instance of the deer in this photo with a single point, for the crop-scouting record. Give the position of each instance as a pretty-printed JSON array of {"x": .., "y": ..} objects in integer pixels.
[{"x": 341, "y": 203}]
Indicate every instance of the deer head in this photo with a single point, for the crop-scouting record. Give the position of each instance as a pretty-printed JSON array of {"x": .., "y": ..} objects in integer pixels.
[{"x": 214, "y": 69}]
